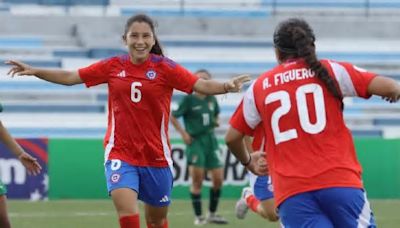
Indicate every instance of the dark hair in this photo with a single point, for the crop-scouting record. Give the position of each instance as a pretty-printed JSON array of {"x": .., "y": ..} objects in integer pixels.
[
  {"x": 295, "y": 38},
  {"x": 204, "y": 71},
  {"x": 156, "y": 49}
]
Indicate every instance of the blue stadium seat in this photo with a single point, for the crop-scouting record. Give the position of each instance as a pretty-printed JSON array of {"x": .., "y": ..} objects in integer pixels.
[
  {"x": 100, "y": 53},
  {"x": 21, "y": 42},
  {"x": 367, "y": 133},
  {"x": 71, "y": 53},
  {"x": 58, "y": 132},
  {"x": 196, "y": 12},
  {"x": 387, "y": 122},
  {"x": 60, "y": 2},
  {"x": 62, "y": 108},
  {"x": 37, "y": 85},
  {"x": 54, "y": 63}
]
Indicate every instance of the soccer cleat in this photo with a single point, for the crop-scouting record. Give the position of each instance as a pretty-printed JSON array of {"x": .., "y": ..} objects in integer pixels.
[
  {"x": 199, "y": 221},
  {"x": 241, "y": 207},
  {"x": 216, "y": 219}
]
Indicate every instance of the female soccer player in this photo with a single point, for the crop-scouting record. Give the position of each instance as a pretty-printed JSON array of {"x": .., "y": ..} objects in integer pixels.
[
  {"x": 200, "y": 116},
  {"x": 310, "y": 151},
  {"x": 30, "y": 163},
  {"x": 259, "y": 196},
  {"x": 137, "y": 150}
]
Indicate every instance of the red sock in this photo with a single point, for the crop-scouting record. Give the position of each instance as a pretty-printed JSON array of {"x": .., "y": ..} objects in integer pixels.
[
  {"x": 252, "y": 203},
  {"x": 130, "y": 221},
  {"x": 164, "y": 226}
]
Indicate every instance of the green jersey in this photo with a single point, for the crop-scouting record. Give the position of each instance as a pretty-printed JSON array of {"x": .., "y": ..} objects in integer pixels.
[{"x": 199, "y": 114}]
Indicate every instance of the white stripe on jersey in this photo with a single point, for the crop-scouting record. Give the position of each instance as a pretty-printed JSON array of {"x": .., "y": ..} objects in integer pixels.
[
  {"x": 110, "y": 143},
  {"x": 365, "y": 216},
  {"x": 344, "y": 80},
  {"x": 250, "y": 112},
  {"x": 164, "y": 141}
]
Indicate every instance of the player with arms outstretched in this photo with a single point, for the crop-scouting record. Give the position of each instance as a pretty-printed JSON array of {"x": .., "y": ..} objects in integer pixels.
[{"x": 137, "y": 150}]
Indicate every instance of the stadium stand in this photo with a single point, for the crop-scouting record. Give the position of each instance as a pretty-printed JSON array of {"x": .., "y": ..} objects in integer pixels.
[{"x": 195, "y": 36}]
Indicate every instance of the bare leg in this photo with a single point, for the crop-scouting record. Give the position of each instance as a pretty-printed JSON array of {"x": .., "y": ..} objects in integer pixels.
[
  {"x": 4, "y": 221},
  {"x": 156, "y": 217}
]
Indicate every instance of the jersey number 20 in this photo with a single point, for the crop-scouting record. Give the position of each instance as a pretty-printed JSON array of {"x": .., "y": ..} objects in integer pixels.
[{"x": 303, "y": 112}]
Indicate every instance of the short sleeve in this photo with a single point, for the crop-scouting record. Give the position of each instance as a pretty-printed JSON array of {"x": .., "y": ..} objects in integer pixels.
[
  {"x": 352, "y": 80},
  {"x": 96, "y": 73},
  {"x": 179, "y": 78},
  {"x": 238, "y": 122},
  {"x": 182, "y": 107}
]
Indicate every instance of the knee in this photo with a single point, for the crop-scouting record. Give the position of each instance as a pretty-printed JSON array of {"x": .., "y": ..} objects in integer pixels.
[
  {"x": 126, "y": 210},
  {"x": 196, "y": 186},
  {"x": 217, "y": 183},
  {"x": 155, "y": 222}
]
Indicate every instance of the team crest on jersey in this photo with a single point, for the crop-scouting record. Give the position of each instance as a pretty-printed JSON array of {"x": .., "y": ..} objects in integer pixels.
[
  {"x": 151, "y": 74},
  {"x": 115, "y": 177}
]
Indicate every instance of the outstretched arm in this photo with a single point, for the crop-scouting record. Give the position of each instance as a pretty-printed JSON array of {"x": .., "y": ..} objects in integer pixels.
[
  {"x": 385, "y": 87},
  {"x": 62, "y": 77},
  {"x": 30, "y": 163},
  {"x": 211, "y": 87}
]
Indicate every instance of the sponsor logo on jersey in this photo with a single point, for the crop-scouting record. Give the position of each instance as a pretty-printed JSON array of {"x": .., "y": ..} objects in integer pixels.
[
  {"x": 115, "y": 177},
  {"x": 198, "y": 107},
  {"x": 122, "y": 74},
  {"x": 151, "y": 74}
]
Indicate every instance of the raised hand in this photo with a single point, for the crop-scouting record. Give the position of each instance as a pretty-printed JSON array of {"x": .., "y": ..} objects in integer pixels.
[
  {"x": 19, "y": 68},
  {"x": 32, "y": 166},
  {"x": 236, "y": 83}
]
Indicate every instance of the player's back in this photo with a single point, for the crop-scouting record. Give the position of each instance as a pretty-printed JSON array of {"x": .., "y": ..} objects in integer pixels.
[{"x": 304, "y": 126}]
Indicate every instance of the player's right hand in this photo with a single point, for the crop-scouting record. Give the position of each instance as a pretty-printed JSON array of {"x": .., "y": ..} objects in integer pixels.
[
  {"x": 19, "y": 68},
  {"x": 31, "y": 164},
  {"x": 258, "y": 164},
  {"x": 187, "y": 138},
  {"x": 236, "y": 83}
]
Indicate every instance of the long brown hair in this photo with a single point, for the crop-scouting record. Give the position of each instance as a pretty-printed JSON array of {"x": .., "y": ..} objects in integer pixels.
[{"x": 156, "y": 49}]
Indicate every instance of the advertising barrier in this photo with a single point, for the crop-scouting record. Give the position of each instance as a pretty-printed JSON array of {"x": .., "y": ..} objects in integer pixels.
[
  {"x": 76, "y": 170},
  {"x": 13, "y": 174}
]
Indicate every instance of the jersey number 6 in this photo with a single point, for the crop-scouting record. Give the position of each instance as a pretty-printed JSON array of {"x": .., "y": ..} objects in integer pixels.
[
  {"x": 303, "y": 112},
  {"x": 136, "y": 94}
]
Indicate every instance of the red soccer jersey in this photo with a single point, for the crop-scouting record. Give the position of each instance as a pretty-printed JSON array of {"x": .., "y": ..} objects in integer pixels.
[
  {"x": 139, "y": 106},
  {"x": 309, "y": 147}
]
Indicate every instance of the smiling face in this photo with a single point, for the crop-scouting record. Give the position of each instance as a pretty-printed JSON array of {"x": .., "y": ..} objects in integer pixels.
[{"x": 139, "y": 38}]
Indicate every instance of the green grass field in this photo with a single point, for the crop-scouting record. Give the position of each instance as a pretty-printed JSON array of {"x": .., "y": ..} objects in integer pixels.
[{"x": 100, "y": 213}]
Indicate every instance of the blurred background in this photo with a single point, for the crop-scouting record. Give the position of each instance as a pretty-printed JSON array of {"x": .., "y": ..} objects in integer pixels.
[{"x": 63, "y": 126}]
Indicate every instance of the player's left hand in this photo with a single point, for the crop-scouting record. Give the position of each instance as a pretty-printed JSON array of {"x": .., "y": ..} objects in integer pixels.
[
  {"x": 236, "y": 83},
  {"x": 258, "y": 164},
  {"x": 31, "y": 164}
]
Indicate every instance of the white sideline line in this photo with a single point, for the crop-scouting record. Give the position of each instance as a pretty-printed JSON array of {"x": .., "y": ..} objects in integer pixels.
[{"x": 88, "y": 214}]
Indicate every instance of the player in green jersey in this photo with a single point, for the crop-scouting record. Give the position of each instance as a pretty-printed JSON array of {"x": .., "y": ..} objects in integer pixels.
[
  {"x": 30, "y": 163},
  {"x": 200, "y": 117}
]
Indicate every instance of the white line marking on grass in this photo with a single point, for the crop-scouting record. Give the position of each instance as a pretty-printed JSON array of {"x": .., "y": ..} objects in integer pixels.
[{"x": 87, "y": 214}]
